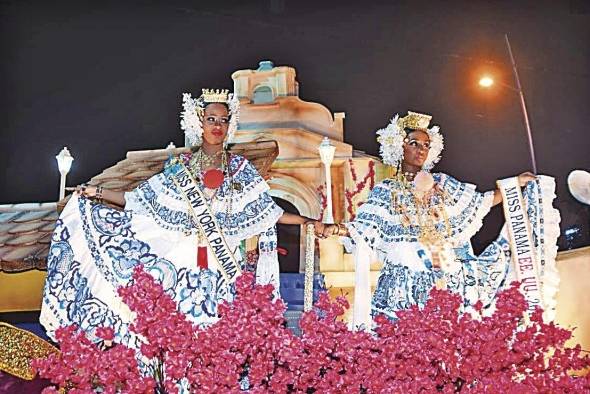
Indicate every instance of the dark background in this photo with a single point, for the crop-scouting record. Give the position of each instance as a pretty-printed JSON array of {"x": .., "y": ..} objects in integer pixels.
[{"x": 104, "y": 78}]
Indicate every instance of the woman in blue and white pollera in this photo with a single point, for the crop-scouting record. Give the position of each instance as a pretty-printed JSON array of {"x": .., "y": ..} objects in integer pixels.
[
  {"x": 183, "y": 225},
  {"x": 419, "y": 226}
]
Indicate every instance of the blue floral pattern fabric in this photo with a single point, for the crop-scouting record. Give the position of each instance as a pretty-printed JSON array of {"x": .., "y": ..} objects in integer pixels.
[
  {"x": 95, "y": 249},
  {"x": 408, "y": 274}
]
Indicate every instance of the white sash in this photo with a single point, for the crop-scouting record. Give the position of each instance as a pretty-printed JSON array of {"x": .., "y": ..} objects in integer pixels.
[
  {"x": 521, "y": 241},
  {"x": 206, "y": 222}
]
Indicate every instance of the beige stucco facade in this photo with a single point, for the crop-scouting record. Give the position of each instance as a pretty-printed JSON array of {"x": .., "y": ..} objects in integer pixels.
[{"x": 271, "y": 109}]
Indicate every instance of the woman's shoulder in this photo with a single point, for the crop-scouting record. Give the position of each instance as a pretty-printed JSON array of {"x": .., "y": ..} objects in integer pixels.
[
  {"x": 439, "y": 177},
  {"x": 238, "y": 163},
  {"x": 443, "y": 178},
  {"x": 382, "y": 190},
  {"x": 392, "y": 184},
  {"x": 243, "y": 170},
  {"x": 387, "y": 184},
  {"x": 184, "y": 158},
  {"x": 236, "y": 159}
]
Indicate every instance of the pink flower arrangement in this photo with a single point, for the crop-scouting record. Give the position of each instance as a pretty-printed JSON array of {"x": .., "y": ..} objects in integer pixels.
[
  {"x": 434, "y": 349},
  {"x": 83, "y": 366}
]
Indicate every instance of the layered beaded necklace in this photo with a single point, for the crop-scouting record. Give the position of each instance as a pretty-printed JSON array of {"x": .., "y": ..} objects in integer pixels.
[
  {"x": 426, "y": 211},
  {"x": 212, "y": 178},
  {"x": 200, "y": 160}
]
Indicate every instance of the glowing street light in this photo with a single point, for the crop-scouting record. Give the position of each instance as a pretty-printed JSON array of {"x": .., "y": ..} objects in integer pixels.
[
  {"x": 487, "y": 81},
  {"x": 64, "y": 163}
]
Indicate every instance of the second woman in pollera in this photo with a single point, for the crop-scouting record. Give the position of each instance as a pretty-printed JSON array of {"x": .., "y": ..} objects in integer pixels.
[{"x": 419, "y": 225}]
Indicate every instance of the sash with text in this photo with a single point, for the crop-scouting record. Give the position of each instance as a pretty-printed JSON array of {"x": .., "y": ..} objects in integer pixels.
[
  {"x": 521, "y": 241},
  {"x": 206, "y": 222}
]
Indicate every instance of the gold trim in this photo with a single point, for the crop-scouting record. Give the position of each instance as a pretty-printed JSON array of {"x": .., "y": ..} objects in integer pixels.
[{"x": 18, "y": 348}]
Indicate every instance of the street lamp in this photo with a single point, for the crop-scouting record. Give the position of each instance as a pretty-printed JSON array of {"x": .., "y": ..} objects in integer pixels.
[
  {"x": 327, "y": 151},
  {"x": 487, "y": 81},
  {"x": 64, "y": 163}
]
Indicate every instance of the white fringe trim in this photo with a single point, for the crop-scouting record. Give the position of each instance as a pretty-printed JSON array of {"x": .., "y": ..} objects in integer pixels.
[
  {"x": 481, "y": 212},
  {"x": 549, "y": 273}
]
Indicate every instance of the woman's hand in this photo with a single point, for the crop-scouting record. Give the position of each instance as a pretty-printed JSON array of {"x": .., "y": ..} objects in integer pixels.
[
  {"x": 526, "y": 177},
  {"x": 334, "y": 229},
  {"x": 522, "y": 181},
  {"x": 318, "y": 227},
  {"x": 86, "y": 191},
  {"x": 329, "y": 230},
  {"x": 100, "y": 194},
  {"x": 291, "y": 218},
  {"x": 322, "y": 230}
]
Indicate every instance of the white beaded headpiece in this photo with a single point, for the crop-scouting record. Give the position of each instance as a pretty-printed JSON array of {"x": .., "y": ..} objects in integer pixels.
[
  {"x": 193, "y": 109},
  {"x": 391, "y": 139}
]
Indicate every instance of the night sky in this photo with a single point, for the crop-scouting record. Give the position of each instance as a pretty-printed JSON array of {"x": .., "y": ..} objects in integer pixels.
[{"x": 104, "y": 78}]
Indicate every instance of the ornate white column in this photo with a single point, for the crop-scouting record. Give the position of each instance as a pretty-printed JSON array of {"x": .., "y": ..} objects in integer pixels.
[
  {"x": 64, "y": 163},
  {"x": 327, "y": 151}
]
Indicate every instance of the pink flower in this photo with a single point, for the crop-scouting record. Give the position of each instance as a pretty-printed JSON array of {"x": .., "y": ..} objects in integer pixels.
[
  {"x": 435, "y": 348},
  {"x": 106, "y": 333}
]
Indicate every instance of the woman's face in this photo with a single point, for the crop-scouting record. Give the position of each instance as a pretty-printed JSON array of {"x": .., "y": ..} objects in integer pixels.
[
  {"x": 215, "y": 123},
  {"x": 416, "y": 147}
]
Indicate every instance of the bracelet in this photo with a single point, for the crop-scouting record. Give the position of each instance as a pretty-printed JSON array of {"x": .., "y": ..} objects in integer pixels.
[
  {"x": 340, "y": 229},
  {"x": 337, "y": 228}
]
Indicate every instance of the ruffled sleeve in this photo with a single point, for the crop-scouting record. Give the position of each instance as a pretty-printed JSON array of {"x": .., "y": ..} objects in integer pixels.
[
  {"x": 253, "y": 213},
  {"x": 151, "y": 191},
  {"x": 465, "y": 206},
  {"x": 137, "y": 199},
  {"x": 372, "y": 219},
  {"x": 159, "y": 199}
]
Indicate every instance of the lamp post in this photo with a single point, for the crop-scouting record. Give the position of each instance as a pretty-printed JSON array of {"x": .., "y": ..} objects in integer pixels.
[
  {"x": 487, "y": 82},
  {"x": 327, "y": 150},
  {"x": 64, "y": 163}
]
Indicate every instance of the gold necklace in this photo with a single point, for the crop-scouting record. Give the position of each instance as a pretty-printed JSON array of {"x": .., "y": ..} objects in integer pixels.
[
  {"x": 201, "y": 161},
  {"x": 409, "y": 176},
  {"x": 207, "y": 160},
  {"x": 425, "y": 211}
]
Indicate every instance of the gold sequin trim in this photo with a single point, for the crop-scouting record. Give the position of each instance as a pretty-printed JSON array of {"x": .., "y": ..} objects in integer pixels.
[{"x": 18, "y": 347}]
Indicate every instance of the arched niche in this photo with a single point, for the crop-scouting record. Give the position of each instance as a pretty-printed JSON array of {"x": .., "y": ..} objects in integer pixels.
[
  {"x": 289, "y": 239},
  {"x": 302, "y": 196},
  {"x": 263, "y": 94}
]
